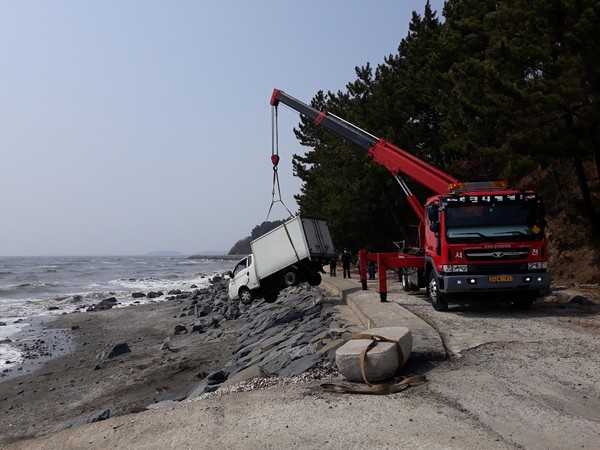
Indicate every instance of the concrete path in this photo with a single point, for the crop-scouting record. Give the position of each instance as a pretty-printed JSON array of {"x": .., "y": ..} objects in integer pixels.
[{"x": 427, "y": 344}]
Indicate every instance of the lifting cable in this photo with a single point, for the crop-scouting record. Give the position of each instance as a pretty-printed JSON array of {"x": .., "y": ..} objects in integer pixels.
[{"x": 275, "y": 161}]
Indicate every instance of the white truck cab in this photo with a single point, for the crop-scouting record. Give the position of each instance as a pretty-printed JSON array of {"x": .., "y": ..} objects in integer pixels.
[{"x": 243, "y": 281}]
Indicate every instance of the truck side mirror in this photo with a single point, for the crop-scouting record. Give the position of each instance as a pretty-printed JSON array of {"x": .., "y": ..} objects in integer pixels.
[
  {"x": 432, "y": 213},
  {"x": 432, "y": 218},
  {"x": 229, "y": 273}
]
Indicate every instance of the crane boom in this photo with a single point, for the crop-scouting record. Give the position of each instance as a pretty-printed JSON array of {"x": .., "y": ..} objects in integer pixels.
[{"x": 394, "y": 159}]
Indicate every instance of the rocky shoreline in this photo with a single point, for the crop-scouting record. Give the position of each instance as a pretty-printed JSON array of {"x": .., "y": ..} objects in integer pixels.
[{"x": 192, "y": 344}]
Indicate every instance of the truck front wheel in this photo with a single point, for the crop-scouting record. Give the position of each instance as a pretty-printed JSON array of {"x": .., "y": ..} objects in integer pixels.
[
  {"x": 291, "y": 278},
  {"x": 246, "y": 296},
  {"x": 525, "y": 300},
  {"x": 313, "y": 278},
  {"x": 438, "y": 299}
]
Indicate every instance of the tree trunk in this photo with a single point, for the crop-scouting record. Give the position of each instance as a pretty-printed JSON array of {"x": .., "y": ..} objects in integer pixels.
[
  {"x": 597, "y": 160},
  {"x": 586, "y": 196}
]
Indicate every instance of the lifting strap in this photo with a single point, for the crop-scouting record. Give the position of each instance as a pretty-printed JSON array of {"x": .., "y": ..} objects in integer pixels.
[{"x": 275, "y": 161}]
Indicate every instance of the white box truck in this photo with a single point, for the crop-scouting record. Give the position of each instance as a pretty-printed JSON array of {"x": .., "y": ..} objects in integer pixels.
[{"x": 288, "y": 255}]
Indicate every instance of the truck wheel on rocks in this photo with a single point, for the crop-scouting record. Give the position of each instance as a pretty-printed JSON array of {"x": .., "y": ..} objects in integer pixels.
[
  {"x": 271, "y": 298},
  {"x": 439, "y": 300},
  {"x": 313, "y": 278},
  {"x": 246, "y": 296},
  {"x": 291, "y": 278}
]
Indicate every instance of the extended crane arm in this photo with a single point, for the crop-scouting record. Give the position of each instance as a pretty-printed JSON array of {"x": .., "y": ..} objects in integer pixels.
[{"x": 393, "y": 158}]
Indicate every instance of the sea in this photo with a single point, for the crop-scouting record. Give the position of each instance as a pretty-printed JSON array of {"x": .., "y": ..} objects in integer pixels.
[{"x": 40, "y": 286}]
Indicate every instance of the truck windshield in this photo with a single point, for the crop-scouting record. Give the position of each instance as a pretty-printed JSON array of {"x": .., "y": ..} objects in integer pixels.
[{"x": 493, "y": 222}]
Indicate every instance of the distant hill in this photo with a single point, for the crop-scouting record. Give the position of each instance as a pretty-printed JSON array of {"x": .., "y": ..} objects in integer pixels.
[
  {"x": 211, "y": 252},
  {"x": 164, "y": 253}
]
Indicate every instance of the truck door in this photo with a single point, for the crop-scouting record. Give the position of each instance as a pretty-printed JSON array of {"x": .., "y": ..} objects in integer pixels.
[{"x": 243, "y": 275}]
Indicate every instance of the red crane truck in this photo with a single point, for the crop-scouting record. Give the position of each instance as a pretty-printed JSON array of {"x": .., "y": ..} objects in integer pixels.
[{"x": 474, "y": 238}]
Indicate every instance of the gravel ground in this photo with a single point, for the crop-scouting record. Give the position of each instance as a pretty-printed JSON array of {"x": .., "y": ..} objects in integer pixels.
[
  {"x": 515, "y": 379},
  {"x": 530, "y": 376}
]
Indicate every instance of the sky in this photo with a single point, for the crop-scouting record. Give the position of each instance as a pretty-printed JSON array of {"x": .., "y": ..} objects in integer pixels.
[{"x": 128, "y": 127}]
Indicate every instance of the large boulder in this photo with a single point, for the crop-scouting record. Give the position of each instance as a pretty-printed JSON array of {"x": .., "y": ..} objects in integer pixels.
[{"x": 383, "y": 360}]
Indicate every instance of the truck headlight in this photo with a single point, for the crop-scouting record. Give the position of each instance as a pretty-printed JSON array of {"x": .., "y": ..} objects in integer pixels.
[
  {"x": 537, "y": 265},
  {"x": 455, "y": 267}
]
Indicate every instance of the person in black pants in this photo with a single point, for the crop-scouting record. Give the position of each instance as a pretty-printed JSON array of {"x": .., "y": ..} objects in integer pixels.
[{"x": 346, "y": 259}]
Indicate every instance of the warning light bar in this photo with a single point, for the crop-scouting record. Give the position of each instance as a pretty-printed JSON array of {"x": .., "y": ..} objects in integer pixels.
[{"x": 478, "y": 186}]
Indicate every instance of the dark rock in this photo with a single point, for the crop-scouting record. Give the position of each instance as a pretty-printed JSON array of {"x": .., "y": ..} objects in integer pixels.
[
  {"x": 216, "y": 377},
  {"x": 95, "y": 417},
  {"x": 180, "y": 329},
  {"x": 105, "y": 304},
  {"x": 116, "y": 349},
  {"x": 138, "y": 295},
  {"x": 198, "y": 326},
  {"x": 580, "y": 300},
  {"x": 202, "y": 311},
  {"x": 300, "y": 365}
]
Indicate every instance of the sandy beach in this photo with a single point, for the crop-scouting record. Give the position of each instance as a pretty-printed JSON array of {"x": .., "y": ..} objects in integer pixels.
[{"x": 68, "y": 388}]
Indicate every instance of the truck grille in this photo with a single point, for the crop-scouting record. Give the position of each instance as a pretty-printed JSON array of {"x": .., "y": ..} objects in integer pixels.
[
  {"x": 510, "y": 253},
  {"x": 497, "y": 268}
]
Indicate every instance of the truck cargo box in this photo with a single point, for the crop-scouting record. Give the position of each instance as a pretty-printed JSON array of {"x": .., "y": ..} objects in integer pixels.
[{"x": 295, "y": 240}]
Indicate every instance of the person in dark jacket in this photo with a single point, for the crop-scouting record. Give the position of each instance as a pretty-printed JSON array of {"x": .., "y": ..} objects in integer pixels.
[
  {"x": 333, "y": 265},
  {"x": 346, "y": 260}
]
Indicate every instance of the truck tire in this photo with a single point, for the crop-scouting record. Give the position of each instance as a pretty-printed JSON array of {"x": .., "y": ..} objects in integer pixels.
[
  {"x": 406, "y": 287},
  {"x": 291, "y": 278},
  {"x": 272, "y": 297},
  {"x": 525, "y": 301},
  {"x": 313, "y": 278},
  {"x": 246, "y": 296},
  {"x": 439, "y": 300}
]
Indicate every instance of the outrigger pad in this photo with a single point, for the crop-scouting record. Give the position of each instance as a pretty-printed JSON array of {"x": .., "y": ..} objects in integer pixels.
[{"x": 376, "y": 354}]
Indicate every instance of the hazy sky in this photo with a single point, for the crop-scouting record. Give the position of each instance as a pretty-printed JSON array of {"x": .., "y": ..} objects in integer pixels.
[{"x": 133, "y": 126}]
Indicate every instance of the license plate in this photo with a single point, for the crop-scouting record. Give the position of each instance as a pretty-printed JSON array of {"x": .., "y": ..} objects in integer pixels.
[{"x": 500, "y": 279}]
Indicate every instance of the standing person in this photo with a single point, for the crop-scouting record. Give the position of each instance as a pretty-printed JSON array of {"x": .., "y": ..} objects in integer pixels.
[
  {"x": 371, "y": 269},
  {"x": 346, "y": 260},
  {"x": 333, "y": 265}
]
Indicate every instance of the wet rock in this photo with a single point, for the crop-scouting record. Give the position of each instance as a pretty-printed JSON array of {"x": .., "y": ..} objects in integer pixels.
[
  {"x": 105, "y": 304},
  {"x": 116, "y": 349}
]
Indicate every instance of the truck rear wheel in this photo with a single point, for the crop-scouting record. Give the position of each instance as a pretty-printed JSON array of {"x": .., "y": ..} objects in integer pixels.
[
  {"x": 406, "y": 287},
  {"x": 313, "y": 278},
  {"x": 439, "y": 300},
  {"x": 291, "y": 278},
  {"x": 272, "y": 297},
  {"x": 246, "y": 296}
]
